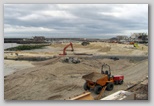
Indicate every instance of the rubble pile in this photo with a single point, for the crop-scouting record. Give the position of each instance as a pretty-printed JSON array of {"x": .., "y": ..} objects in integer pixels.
[{"x": 71, "y": 60}]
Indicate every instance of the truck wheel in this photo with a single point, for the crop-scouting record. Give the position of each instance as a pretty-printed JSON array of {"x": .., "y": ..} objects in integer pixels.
[
  {"x": 121, "y": 82},
  {"x": 109, "y": 86},
  {"x": 97, "y": 89},
  {"x": 116, "y": 82},
  {"x": 86, "y": 87}
]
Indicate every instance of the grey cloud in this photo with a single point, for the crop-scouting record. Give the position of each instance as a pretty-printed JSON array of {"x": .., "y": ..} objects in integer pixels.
[{"x": 89, "y": 21}]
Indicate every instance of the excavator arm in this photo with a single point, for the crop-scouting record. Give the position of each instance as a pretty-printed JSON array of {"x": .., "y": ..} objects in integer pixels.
[{"x": 64, "y": 50}]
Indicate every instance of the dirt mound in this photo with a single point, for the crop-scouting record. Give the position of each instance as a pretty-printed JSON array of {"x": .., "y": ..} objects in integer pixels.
[
  {"x": 104, "y": 49},
  {"x": 47, "y": 62},
  {"x": 41, "y": 82}
]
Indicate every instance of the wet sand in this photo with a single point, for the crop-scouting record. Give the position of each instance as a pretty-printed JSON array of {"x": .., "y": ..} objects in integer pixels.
[{"x": 11, "y": 66}]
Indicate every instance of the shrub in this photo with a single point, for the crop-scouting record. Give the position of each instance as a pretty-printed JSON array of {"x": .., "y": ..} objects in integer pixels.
[{"x": 25, "y": 47}]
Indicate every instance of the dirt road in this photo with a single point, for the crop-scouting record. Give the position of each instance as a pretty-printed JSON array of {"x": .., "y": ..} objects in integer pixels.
[
  {"x": 132, "y": 75},
  {"x": 137, "y": 72}
]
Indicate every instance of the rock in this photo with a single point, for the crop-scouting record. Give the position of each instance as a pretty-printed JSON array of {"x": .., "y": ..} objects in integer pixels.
[{"x": 71, "y": 60}]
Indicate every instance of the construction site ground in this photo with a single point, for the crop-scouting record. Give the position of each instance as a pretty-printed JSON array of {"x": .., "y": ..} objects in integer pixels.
[{"x": 54, "y": 80}]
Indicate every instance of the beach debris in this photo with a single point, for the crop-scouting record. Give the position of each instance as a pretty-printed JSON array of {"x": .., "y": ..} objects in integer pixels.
[{"x": 71, "y": 60}]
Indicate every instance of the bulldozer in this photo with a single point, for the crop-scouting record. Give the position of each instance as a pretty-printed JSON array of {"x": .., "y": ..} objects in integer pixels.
[{"x": 97, "y": 81}]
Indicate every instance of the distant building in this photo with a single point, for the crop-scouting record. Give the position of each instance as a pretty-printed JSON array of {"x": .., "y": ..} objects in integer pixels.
[
  {"x": 113, "y": 40},
  {"x": 135, "y": 36},
  {"x": 140, "y": 37},
  {"x": 39, "y": 38},
  {"x": 122, "y": 37}
]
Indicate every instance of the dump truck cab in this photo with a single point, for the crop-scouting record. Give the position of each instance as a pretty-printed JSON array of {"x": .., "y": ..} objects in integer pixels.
[{"x": 105, "y": 69}]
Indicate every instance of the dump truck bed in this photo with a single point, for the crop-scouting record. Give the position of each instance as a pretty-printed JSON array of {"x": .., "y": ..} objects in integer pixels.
[{"x": 93, "y": 77}]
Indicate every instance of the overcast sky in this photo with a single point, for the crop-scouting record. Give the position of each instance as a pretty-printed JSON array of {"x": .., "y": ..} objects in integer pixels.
[{"x": 74, "y": 20}]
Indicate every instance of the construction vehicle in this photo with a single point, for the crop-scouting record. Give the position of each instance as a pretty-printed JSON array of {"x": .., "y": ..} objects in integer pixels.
[
  {"x": 118, "y": 79},
  {"x": 64, "y": 50},
  {"x": 132, "y": 43},
  {"x": 97, "y": 81},
  {"x": 136, "y": 45},
  {"x": 85, "y": 43}
]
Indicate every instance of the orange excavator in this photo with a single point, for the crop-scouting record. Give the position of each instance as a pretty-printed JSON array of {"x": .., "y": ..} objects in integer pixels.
[{"x": 64, "y": 50}]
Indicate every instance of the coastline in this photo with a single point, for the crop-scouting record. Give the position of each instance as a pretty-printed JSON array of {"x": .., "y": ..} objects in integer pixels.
[{"x": 11, "y": 66}]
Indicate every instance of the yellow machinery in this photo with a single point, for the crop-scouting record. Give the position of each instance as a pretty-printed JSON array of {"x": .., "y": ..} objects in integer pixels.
[{"x": 136, "y": 45}]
